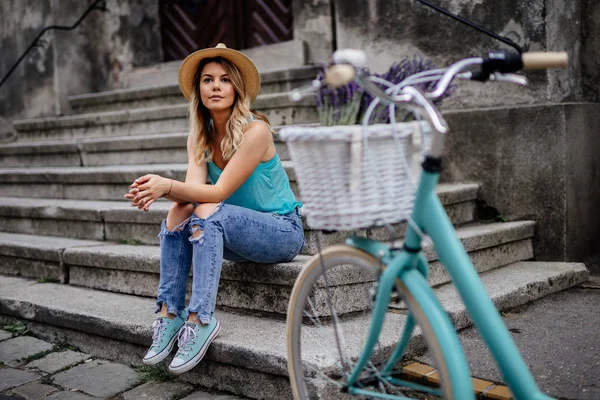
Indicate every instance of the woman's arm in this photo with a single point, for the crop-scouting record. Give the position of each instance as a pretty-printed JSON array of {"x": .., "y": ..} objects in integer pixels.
[
  {"x": 257, "y": 140},
  {"x": 196, "y": 174}
]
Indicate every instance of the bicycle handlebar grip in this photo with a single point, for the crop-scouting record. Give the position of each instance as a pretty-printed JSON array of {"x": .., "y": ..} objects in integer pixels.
[
  {"x": 339, "y": 74},
  {"x": 545, "y": 60}
]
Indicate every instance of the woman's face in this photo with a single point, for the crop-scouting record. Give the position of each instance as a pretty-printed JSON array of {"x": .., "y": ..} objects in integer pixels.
[{"x": 216, "y": 89}]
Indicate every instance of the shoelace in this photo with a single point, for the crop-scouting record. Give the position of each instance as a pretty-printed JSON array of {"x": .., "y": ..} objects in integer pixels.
[
  {"x": 187, "y": 335},
  {"x": 158, "y": 325}
]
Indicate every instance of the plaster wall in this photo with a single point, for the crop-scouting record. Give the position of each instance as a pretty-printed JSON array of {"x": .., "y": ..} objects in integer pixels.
[
  {"x": 313, "y": 24},
  {"x": 534, "y": 162},
  {"x": 97, "y": 55},
  {"x": 389, "y": 31}
]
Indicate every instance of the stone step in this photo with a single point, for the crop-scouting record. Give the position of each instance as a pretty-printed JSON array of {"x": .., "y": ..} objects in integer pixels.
[
  {"x": 249, "y": 356},
  {"x": 133, "y": 269},
  {"x": 152, "y": 120},
  {"x": 278, "y": 56},
  {"x": 90, "y": 183},
  {"x": 274, "y": 81},
  {"x": 106, "y": 182},
  {"x": 118, "y": 221},
  {"x": 160, "y": 148}
]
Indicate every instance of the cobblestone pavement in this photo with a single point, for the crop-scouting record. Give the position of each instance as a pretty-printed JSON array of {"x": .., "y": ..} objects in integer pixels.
[{"x": 33, "y": 369}]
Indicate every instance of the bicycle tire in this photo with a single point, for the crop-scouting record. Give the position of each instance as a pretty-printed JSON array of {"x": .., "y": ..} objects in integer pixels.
[{"x": 341, "y": 255}]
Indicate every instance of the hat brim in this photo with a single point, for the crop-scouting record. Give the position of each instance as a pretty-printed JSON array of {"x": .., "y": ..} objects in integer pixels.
[{"x": 247, "y": 68}]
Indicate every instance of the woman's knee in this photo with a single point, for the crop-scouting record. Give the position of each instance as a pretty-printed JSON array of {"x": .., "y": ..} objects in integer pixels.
[
  {"x": 205, "y": 210},
  {"x": 178, "y": 213}
]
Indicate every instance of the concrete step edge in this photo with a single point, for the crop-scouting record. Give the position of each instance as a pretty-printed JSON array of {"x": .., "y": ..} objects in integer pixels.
[
  {"x": 449, "y": 193},
  {"x": 118, "y": 143},
  {"x": 94, "y": 312},
  {"x": 109, "y": 183},
  {"x": 268, "y": 101},
  {"x": 118, "y": 221},
  {"x": 58, "y": 208},
  {"x": 129, "y": 94},
  {"x": 146, "y": 258}
]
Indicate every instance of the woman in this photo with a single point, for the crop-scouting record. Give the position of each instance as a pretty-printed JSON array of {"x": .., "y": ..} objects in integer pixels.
[{"x": 249, "y": 213}]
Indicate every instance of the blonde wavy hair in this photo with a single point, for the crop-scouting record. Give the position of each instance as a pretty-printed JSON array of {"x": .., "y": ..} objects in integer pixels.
[{"x": 200, "y": 120}]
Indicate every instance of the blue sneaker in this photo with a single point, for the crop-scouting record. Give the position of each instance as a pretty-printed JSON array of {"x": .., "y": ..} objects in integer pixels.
[
  {"x": 193, "y": 341},
  {"x": 163, "y": 339}
]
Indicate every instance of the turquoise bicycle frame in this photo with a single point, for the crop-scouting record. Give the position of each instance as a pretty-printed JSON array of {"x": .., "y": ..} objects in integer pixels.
[{"x": 411, "y": 267}]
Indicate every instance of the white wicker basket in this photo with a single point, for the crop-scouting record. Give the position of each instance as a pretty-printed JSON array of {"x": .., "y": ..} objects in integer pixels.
[{"x": 383, "y": 190}]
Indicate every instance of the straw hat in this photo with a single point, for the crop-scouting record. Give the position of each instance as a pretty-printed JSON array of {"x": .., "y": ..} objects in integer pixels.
[{"x": 249, "y": 72}]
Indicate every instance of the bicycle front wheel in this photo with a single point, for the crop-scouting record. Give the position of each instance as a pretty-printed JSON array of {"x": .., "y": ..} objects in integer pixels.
[{"x": 329, "y": 315}]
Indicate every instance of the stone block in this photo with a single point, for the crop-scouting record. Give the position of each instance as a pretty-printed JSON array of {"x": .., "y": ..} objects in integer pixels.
[
  {"x": 7, "y": 131},
  {"x": 290, "y": 114},
  {"x": 281, "y": 55},
  {"x": 31, "y": 268},
  {"x": 4, "y": 335},
  {"x": 41, "y": 247},
  {"x": 16, "y": 349},
  {"x": 119, "y": 103},
  {"x": 514, "y": 285},
  {"x": 158, "y": 391},
  {"x": 145, "y": 233},
  {"x": 50, "y": 154},
  {"x": 128, "y": 282},
  {"x": 314, "y": 24},
  {"x": 486, "y": 259},
  {"x": 120, "y": 257},
  {"x": 208, "y": 396},
  {"x": 99, "y": 378},
  {"x": 34, "y": 391},
  {"x": 54, "y": 362},
  {"x": 69, "y": 396},
  {"x": 153, "y": 156},
  {"x": 164, "y": 119},
  {"x": 242, "y": 382},
  {"x": 10, "y": 378},
  {"x": 62, "y": 228},
  {"x": 51, "y": 209}
]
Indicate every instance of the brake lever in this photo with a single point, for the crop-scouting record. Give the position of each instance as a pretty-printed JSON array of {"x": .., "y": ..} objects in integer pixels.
[{"x": 512, "y": 78}]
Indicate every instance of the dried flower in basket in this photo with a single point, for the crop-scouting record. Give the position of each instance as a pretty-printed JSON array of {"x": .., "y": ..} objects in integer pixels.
[{"x": 346, "y": 105}]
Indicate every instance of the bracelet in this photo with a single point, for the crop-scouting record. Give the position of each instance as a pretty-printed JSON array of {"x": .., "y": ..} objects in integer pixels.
[{"x": 170, "y": 187}]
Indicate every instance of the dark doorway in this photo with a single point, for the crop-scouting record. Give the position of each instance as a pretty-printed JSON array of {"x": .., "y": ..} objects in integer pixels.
[{"x": 189, "y": 25}]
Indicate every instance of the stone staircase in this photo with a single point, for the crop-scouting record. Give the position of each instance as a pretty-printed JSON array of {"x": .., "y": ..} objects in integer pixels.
[{"x": 79, "y": 264}]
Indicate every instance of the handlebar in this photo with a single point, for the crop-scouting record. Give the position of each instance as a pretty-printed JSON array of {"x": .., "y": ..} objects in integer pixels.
[{"x": 349, "y": 64}]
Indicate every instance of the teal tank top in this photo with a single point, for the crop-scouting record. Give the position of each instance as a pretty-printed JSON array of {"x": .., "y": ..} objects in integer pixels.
[{"x": 267, "y": 189}]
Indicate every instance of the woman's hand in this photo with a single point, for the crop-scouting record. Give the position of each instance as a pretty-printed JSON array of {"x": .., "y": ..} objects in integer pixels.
[{"x": 146, "y": 189}]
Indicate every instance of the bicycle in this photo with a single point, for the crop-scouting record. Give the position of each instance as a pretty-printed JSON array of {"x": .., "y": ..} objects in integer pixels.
[{"x": 384, "y": 272}]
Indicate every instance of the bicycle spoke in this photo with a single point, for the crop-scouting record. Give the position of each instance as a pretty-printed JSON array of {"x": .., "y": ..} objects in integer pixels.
[{"x": 336, "y": 313}]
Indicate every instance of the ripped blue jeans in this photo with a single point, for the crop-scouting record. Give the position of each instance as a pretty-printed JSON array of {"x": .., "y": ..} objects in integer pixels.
[{"x": 234, "y": 233}]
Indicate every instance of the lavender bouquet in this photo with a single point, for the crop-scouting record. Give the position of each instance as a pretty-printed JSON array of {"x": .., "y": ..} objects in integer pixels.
[
  {"x": 348, "y": 104},
  {"x": 339, "y": 106}
]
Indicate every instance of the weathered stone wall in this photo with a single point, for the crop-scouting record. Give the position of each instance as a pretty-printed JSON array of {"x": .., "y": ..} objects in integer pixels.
[
  {"x": 391, "y": 30},
  {"x": 313, "y": 23},
  {"x": 590, "y": 49},
  {"x": 31, "y": 86},
  {"x": 535, "y": 162},
  {"x": 97, "y": 55}
]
